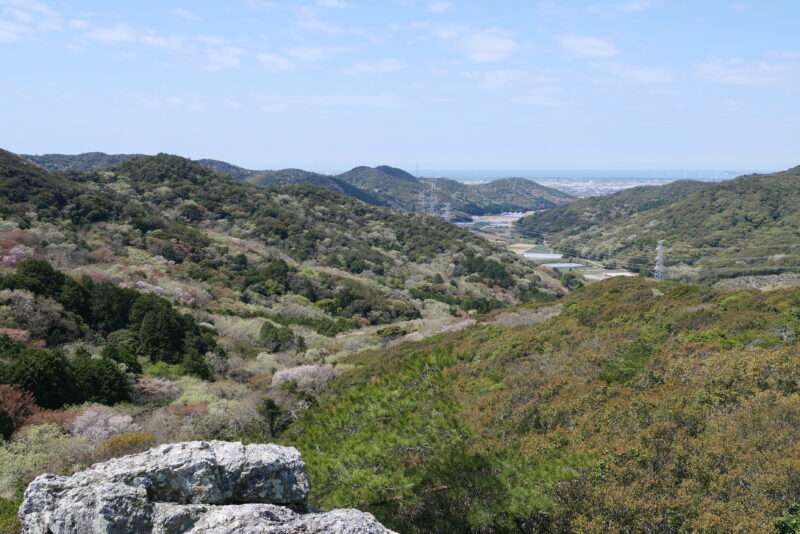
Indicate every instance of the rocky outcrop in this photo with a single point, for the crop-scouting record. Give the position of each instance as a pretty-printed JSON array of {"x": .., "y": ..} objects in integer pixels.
[{"x": 199, "y": 487}]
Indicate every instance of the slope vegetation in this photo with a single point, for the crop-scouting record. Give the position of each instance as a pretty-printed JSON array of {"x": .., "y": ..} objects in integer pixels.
[
  {"x": 729, "y": 228},
  {"x": 89, "y": 161},
  {"x": 380, "y": 186},
  {"x": 301, "y": 240},
  {"x": 585, "y": 213},
  {"x": 641, "y": 407},
  {"x": 388, "y": 186}
]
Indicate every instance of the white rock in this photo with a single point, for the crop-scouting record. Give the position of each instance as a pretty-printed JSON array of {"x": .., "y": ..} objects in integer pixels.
[{"x": 198, "y": 487}]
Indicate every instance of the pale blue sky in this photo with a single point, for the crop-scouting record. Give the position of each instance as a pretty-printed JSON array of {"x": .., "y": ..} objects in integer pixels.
[{"x": 445, "y": 84}]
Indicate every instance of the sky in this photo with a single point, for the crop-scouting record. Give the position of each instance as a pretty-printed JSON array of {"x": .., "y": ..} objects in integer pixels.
[{"x": 421, "y": 84}]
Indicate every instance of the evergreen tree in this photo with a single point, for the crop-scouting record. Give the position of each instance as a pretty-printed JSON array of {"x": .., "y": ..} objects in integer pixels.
[
  {"x": 160, "y": 336},
  {"x": 121, "y": 354},
  {"x": 100, "y": 379},
  {"x": 6, "y": 424},
  {"x": 194, "y": 364},
  {"x": 45, "y": 373}
]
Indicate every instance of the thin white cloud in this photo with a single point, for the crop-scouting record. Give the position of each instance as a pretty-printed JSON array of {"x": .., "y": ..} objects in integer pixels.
[
  {"x": 587, "y": 46},
  {"x": 377, "y": 67},
  {"x": 785, "y": 54},
  {"x": 485, "y": 46},
  {"x": 638, "y": 73},
  {"x": 258, "y": 5},
  {"x": 635, "y": 5},
  {"x": 274, "y": 62},
  {"x": 496, "y": 79},
  {"x": 22, "y": 19},
  {"x": 273, "y": 103},
  {"x": 223, "y": 57},
  {"x": 736, "y": 71},
  {"x": 333, "y": 3},
  {"x": 545, "y": 96},
  {"x": 439, "y": 6},
  {"x": 316, "y": 53},
  {"x": 309, "y": 20},
  {"x": 120, "y": 33},
  {"x": 627, "y": 6},
  {"x": 206, "y": 52},
  {"x": 185, "y": 14}
]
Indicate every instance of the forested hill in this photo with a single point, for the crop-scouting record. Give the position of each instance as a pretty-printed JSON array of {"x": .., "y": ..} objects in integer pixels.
[
  {"x": 587, "y": 212},
  {"x": 641, "y": 407},
  {"x": 741, "y": 226},
  {"x": 89, "y": 161},
  {"x": 222, "y": 231},
  {"x": 388, "y": 186},
  {"x": 380, "y": 186}
]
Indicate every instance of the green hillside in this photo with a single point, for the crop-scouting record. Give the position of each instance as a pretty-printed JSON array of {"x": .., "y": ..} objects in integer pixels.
[
  {"x": 226, "y": 168},
  {"x": 741, "y": 226},
  {"x": 395, "y": 188},
  {"x": 221, "y": 232},
  {"x": 89, "y": 161},
  {"x": 641, "y": 407},
  {"x": 587, "y": 212},
  {"x": 173, "y": 302},
  {"x": 380, "y": 186}
]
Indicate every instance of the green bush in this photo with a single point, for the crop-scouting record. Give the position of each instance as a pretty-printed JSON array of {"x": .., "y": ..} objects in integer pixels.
[
  {"x": 195, "y": 365},
  {"x": 121, "y": 354},
  {"x": 100, "y": 379},
  {"x": 277, "y": 338},
  {"x": 9, "y": 522},
  {"x": 391, "y": 332}
]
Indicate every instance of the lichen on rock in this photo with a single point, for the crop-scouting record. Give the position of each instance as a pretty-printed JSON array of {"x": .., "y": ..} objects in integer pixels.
[{"x": 211, "y": 487}]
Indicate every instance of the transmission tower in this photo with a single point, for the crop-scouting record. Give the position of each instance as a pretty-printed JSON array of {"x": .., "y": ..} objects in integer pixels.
[
  {"x": 447, "y": 213},
  {"x": 433, "y": 200},
  {"x": 660, "y": 270},
  {"x": 423, "y": 202}
]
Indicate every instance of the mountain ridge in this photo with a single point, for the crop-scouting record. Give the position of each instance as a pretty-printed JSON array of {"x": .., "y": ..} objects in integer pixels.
[
  {"x": 381, "y": 186},
  {"x": 748, "y": 224}
]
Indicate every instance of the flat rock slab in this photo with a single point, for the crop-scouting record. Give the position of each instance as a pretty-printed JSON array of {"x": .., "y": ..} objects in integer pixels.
[
  {"x": 259, "y": 519},
  {"x": 197, "y": 486}
]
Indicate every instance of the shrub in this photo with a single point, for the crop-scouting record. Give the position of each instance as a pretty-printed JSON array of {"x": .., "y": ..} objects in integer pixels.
[
  {"x": 45, "y": 373},
  {"x": 99, "y": 423},
  {"x": 275, "y": 418},
  {"x": 187, "y": 410},
  {"x": 277, "y": 338},
  {"x": 18, "y": 403},
  {"x": 163, "y": 370},
  {"x": 39, "y": 449},
  {"x": 195, "y": 365},
  {"x": 9, "y": 522},
  {"x": 229, "y": 420},
  {"x": 151, "y": 390},
  {"x": 124, "y": 444},
  {"x": 391, "y": 332},
  {"x": 307, "y": 378}
]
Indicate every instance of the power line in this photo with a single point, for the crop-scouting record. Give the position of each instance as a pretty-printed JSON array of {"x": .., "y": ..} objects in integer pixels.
[
  {"x": 753, "y": 268},
  {"x": 705, "y": 249}
]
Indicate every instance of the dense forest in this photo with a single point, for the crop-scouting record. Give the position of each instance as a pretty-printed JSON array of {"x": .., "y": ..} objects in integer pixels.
[{"x": 380, "y": 186}]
